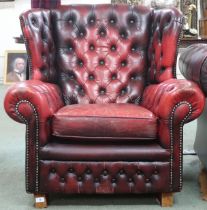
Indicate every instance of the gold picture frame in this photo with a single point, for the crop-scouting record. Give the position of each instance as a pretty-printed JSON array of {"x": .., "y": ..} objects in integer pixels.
[{"x": 15, "y": 64}]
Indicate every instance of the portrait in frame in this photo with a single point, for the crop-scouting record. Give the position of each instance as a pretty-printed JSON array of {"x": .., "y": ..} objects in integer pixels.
[{"x": 15, "y": 66}]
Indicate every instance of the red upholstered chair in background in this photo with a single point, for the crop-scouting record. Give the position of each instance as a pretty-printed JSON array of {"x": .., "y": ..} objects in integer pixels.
[{"x": 103, "y": 110}]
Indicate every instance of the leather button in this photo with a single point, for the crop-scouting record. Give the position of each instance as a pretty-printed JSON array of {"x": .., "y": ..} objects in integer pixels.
[
  {"x": 123, "y": 63},
  {"x": 112, "y": 21},
  {"x": 71, "y": 20},
  {"x": 102, "y": 91},
  {"x": 62, "y": 179},
  {"x": 34, "y": 21},
  {"x": 113, "y": 180},
  {"x": 80, "y": 62},
  {"x": 102, "y": 32},
  {"x": 156, "y": 172},
  {"x": 134, "y": 76},
  {"x": 131, "y": 21},
  {"x": 71, "y": 76},
  {"x": 92, "y": 47},
  {"x": 101, "y": 62},
  {"x": 97, "y": 180},
  {"x": 114, "y": 76},
  {"x": 53, "y": 170},
  {"x": 121, "y": 171},
  {"x": 92, "y": 20},
  {"x": 105, "y": 172},
  {"x": 139, "y": 172},
  {"x": 79, "y": 178},
  {"x": 133, "y": 49},
  {"x": 91, "y": 77},
  {"x": 81, "y": 34},
  {"x": 130, "y": 180},
  {"x": 80, "y": 90},
  {"x": 88, "y": 171},
  {"x": 71, "y": 170},
  {"x": 70, "y": 48},
  {"x": 113, "y": 48},
  {"x": 123, "y": 91},
  {"x": 123, "y": 35}
]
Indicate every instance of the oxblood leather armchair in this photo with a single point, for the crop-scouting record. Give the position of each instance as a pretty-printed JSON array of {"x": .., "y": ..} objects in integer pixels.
[
  {"x": 193, "y": 66},
  {"x": 103, "y": 110}
]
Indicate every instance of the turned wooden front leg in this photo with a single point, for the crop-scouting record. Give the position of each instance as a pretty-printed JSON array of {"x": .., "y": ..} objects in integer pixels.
[
  {"x": 166, "y": 199},
  {"x": 40, "y": 201}
]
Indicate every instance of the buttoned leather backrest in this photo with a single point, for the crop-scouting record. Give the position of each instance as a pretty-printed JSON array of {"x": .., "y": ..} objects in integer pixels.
[{"x": 102, "y": 53}]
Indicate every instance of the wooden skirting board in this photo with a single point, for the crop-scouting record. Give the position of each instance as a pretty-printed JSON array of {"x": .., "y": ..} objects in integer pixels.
[{"x": 203, "y": 183}]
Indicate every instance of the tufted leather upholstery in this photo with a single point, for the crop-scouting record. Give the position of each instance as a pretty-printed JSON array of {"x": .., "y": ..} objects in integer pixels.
[
  {"x": 87, "y": 64},
  {"x": 112, "y": 177},
  {"x": 102, "y": 56}
]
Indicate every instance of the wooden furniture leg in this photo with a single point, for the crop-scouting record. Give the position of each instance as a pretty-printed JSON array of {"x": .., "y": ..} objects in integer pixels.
[
  {"x": 203, "y": 183},
  {"x": 40, "y": 201},
  {"x": 166, "y": 199}
]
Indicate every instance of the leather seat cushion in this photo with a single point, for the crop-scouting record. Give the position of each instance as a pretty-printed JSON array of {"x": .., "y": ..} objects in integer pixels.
[{"x": 108, "y": 121}]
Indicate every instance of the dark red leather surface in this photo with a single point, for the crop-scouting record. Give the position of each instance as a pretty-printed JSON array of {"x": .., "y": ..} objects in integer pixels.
[
  {"x": 162, "y": 98},
  {"x": 164, "y": 40},
  {"x": 193, "y": 64},
  {"x": 105, "y": 121},
  {"x": 103, "y": 54},
  {"x": 104, "y": 152},
  {"x": 44, "y": 97},
  {"x": 33, "y": 103},
  {"x": 103, "y": 177}
]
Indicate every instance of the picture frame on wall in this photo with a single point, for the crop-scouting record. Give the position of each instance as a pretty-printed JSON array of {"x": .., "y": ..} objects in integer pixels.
[{"x": 15, "y": 66}]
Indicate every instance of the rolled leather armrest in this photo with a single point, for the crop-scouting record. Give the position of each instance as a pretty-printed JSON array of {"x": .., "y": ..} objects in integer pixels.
[
  {"x": 32, "y": 98},
  {"x": 180, "y": 98},
  {"x": 193, "y": 64}
]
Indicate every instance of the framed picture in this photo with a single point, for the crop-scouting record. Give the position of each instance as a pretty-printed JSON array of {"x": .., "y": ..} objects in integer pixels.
[{"x": 15, "y": 66}]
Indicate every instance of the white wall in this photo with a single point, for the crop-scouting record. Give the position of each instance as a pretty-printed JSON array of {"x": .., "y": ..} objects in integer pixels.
[{"x": 10, "y": 25}]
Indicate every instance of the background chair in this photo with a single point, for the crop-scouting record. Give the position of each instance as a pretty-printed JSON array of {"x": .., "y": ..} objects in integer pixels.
[
  {"x": 193, "y": 66},
  {"x": 103, "y": 110}
]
